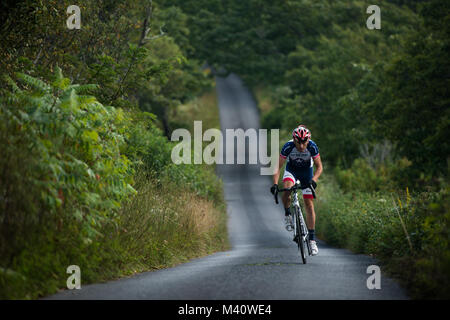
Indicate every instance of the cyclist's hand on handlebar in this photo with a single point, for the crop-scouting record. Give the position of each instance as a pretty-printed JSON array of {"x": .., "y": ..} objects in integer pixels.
[
  {"x": 313, "y": 184},
  {"x": 274, "y": 188}
]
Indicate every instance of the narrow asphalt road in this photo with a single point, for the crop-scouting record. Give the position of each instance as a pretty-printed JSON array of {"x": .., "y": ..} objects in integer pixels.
[{"x": 264, "y": 262}]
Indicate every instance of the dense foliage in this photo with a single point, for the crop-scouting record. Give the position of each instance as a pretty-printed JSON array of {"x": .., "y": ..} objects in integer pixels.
[
  {"x": 132, "y": 49},
  {"x": 68, "y": 169},
  {"x": 82, "y": 163},
  {"x": 357, "y": 89},
  {"x": 70, "y": 144}
]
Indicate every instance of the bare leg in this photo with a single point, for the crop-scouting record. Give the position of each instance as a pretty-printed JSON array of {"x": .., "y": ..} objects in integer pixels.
[
  {"x": 310, "y": 214},
  {"x": 287, "y": 195}
]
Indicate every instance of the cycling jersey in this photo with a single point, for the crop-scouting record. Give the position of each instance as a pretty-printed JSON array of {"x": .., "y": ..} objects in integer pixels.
[{"x": 299, "y": 163}]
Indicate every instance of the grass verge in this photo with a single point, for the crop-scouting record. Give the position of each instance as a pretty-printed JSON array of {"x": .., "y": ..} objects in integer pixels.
[{"x": 408, "y": 233}]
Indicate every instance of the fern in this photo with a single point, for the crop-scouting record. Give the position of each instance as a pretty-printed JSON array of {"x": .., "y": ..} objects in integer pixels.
[
  {"x": 39, "y": 85},
  {"x": 8, "y": 80},
  {"x": 77, "y": 140},
  {"x": 60, "y": 82},
  {"x": 86, "y": 88}
]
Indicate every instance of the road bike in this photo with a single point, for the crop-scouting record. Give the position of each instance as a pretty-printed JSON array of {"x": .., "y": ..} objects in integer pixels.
[{"x": 300, "y": 229}]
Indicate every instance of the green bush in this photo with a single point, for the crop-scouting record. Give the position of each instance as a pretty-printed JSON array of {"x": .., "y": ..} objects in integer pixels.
[
  {"x": 63, "y": 176},
  {"x": 70, "y": 145},
  {"x": 147, "y": 147},
  {"x": 360, "y": 176},
  {"x": 67, "y": 173},
  {"x": 409, "y": 233},
  {"x": 365, "y": 177}
]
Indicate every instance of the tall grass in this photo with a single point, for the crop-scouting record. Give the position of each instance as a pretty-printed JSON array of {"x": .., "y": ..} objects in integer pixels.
[
  {"x": 162, "y": 225},
  {"x": 202, "y": 108},
  {"x": 408, "y": 233},
  {"x": 165, "y": 225}
]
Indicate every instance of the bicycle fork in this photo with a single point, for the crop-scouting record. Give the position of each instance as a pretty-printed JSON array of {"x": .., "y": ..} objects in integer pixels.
[{"x": 296, "y": 204}]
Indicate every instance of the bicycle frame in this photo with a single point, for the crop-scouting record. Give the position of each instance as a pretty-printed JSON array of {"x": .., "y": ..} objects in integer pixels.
[
  {"x": 296, "y": 205},
  {"x": 299, "y": 221}
]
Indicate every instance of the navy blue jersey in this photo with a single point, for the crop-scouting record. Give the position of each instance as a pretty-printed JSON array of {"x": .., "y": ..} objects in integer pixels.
[{"x": 299, "y": 163}]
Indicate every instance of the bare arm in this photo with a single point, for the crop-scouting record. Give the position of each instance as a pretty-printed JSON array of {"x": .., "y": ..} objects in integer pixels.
[
  {"x": 276, "y": 175},
  {"x": 319, "y": 168}
]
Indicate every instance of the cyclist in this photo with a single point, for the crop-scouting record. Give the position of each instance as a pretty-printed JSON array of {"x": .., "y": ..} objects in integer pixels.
[{"x": 301, "y": 154}]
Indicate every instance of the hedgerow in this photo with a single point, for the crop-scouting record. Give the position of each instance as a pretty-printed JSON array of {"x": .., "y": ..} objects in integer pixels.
[{"x": 68, "y": 171}]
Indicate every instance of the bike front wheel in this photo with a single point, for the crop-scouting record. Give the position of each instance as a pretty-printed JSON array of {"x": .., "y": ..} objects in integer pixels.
[
  {"x": 301, "y": 243},
  {"x": 308, "y": 245}
]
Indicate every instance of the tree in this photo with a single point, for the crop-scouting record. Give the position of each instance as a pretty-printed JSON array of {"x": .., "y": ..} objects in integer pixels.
[{"x": 412, "y": 107}]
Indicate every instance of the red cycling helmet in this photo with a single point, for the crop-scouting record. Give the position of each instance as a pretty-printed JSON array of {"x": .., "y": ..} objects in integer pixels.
[{"x": 301, "y": 134}]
